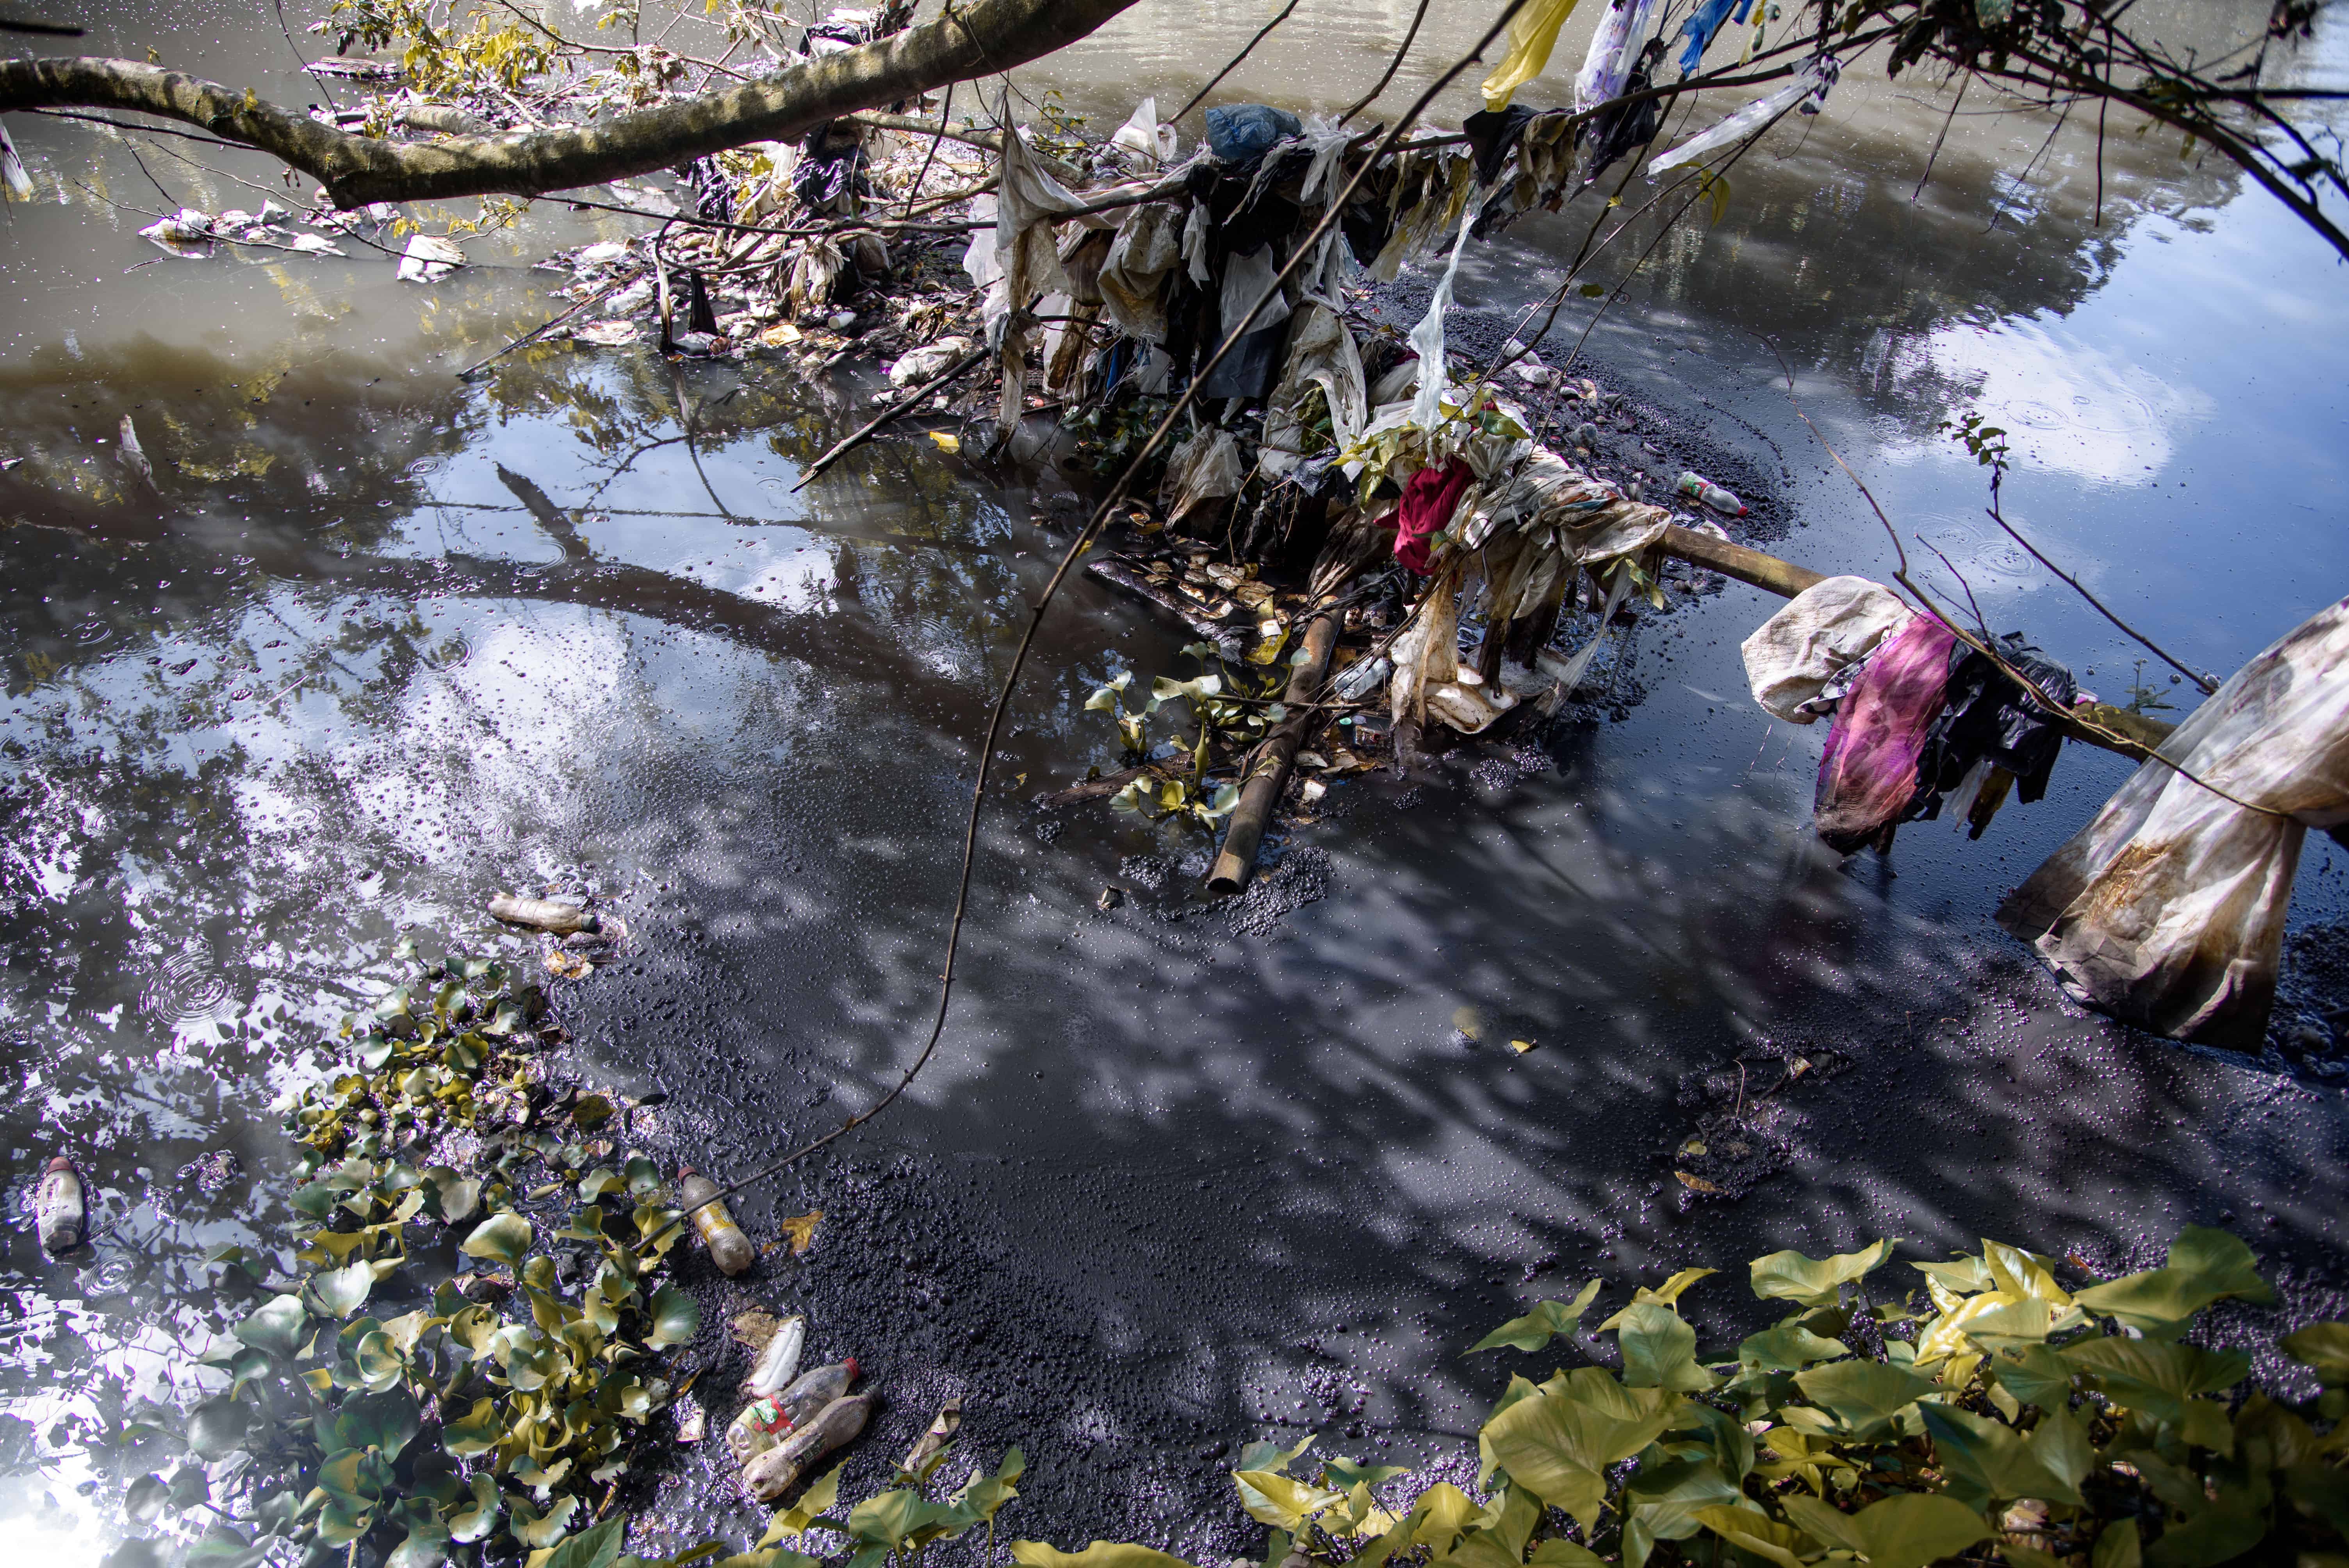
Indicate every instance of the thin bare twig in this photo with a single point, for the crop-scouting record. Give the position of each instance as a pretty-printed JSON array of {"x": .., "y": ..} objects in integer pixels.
[
  {"x": 1235, "y": 61},
  {"x": 1393, "y": 65}
]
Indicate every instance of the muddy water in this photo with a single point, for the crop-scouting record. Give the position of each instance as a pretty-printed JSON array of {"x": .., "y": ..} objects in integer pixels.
[{"x": 1172, "y": 1182}]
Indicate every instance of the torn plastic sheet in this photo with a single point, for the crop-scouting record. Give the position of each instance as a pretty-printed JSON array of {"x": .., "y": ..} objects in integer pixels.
[
  {"x": 1569, "y": 673},
  {"x": 1148, "y": 246},
  {"x": 1247, "y": 280},
  {"x": 2168, "y": 909},
  {"x": 1202, "y": 468},
  {"x": 1144, "y": 134},
  {"x": 1427, "y": 338},
  {"x": 1614, "y": 47},
  {"x": 1812, "y": 82},
  {"x": 1321, "y": 352},
  {"x": 1533, "y": 34}
]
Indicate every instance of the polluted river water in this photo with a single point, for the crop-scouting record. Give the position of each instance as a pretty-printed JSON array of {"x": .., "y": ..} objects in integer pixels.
[{"x": 378, "y": 643}]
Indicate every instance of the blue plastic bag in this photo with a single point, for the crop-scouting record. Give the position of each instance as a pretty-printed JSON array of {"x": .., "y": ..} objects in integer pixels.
[{"x": 1244, "y": 133}]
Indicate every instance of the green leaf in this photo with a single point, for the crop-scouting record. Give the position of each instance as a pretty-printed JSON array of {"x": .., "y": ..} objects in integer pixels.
[
  {"x": 217, "y": 1427},
  {"x": 450, "y": 1198},
  {"x": 2034, "y": 1374},
  {"x": 379, "y": 1361},
  {"x": 1789, "y": 1347},
  {"x": 501, "y": 1238},
  {"x": 427, "y": 1546},
  {"x": 596, "y": 1548},
  {"x": 474, "y": 1523},
  {"x": 477, "y": 1432},
  {"x": 1544, "y": 1322},
  {"x": 531, "y": 1527},
  {"x": 223, "y": 1547},
  {"x": 2155, "y": 1378},
  {"x": 2205, "y": 1265},
  {"x": 1989, "y": 1460},
  {"x": 644, "y": 1177},
  {"x": 1909, "y": 1530},
  {"x": 1559, "y": 1443},
  {"x": 1864, "y": 1396},
  {"x": 1754, "y": 1532},
  {"x": 1659, "y": 1349},
  {"x": 1666, "y": 1499},
  {"x": 1100, "y": 1555},
  {"x": 676, "y": 1317},
  {"x": 2119, "y": 1546},
  {"x": 790, "y": 1523},
  {"x": 1282, "y": 1502},
  {"x": 342, "y": 1292},
  {"x": 276, "y": 1327},
  {"x": 886, "y": 1519},
  {"x": 2324, "y": 1346},
  {"x": 1815, "y": 1282},
  {"x": 590, "y": 1111},
  {"x": 2221, "y": 1532},
  {"x": 386, "y": 1422},
  {"x": 143, "y": 1500}
]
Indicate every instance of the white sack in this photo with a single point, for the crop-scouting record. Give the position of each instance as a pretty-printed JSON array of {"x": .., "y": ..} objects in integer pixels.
[{"x": 1792, "y": 656}]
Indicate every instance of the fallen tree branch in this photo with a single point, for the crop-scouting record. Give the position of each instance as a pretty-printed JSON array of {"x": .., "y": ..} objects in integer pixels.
[
  {"x": 987, "y": 36},
  {"x": 1268, "y": 769}
]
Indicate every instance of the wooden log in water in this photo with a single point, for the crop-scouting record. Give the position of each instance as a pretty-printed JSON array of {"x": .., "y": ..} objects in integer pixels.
[{"x": 1269, "y": 772}]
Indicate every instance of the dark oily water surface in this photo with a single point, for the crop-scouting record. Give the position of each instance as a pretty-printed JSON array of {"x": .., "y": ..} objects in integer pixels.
[{"x": 1171, "y": 1182}]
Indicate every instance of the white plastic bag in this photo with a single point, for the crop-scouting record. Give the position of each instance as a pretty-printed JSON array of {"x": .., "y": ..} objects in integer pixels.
[
  {"x": 2168, "y": 909},
  {"x": 1816, "y": 77},
  {"x": 1828, "y": 626}
]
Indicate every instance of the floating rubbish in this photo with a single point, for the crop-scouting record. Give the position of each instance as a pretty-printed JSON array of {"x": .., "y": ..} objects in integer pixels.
[
  {"x": 775, "y": 1473},
  {"x": 134, "y": 456},
  {"x": 932, "y": 1442},
  {"x": 841, "y": 320},
  {"x": 729, "y": 1249},
  {"x": 765, "y": 1422},
  {"x": 698, "y": 344},
  {"x": 692, "y": 1421},
  {"x": 1360, "y": 680},
  {"x": 429, "y": 258},
  {"x": 59, "y": 1211},
  {"x": 542, "y": 915},
  {"x": 923, "y": 364},
  {"x": 1111, "y": 897},
  {"x": 186, "y": 233},
  {"x": 316, "y": 245},
  {"x": 608, "y": 334},
  {"x": 1698, "y": 487},
  {"x": 779, "y": 1363}
]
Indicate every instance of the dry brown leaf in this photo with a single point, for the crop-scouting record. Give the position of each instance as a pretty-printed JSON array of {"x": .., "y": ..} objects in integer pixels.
[
  {"x": 1695, "y": 1184},
  {"x": 753, "y": 1328},
  {"x": 800, "y": 1231},
  {"x": 569, "y": 966}
]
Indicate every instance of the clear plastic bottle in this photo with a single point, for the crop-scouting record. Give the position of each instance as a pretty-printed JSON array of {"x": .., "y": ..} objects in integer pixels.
[
  {"x": 764, "y": 1423},
  {"x": 1696, "y": 487},
  {"x": 60, "y": 1212},
  {"x": 775, "y": 1473},
  {"x": 729, "y": 1249}
]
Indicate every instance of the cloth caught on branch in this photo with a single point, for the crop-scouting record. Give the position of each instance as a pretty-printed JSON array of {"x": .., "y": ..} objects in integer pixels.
[
  {"x": 1533, "y": 34},
  {"x": 1791, "y": 658},
  {"x": 1704, "y": 23},
  {"x": 1429, "y": 499},
  {"x": 1143, "y": 133},
  {"x": 1493, "y": 136},
  {"x": 1986, "y": 718},
  {"x": 1622, "y": 34},
  {"x": 2168, "y": 909},
  {"x": 1869, "y": 774}
]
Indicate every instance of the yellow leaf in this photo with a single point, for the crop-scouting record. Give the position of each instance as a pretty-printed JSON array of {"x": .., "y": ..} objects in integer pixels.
[
  {"x": 1695, "y": 1184},
  {"x": 946, "y": 443},
  {"x": 1100, "y": 1555},
  {"x": 1521, "y": 1047},
  {"x": 570, "y": 966}
]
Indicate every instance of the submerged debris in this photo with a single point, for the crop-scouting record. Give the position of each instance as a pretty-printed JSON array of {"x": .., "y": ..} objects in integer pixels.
[{"x": 60, "y": 1212}]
